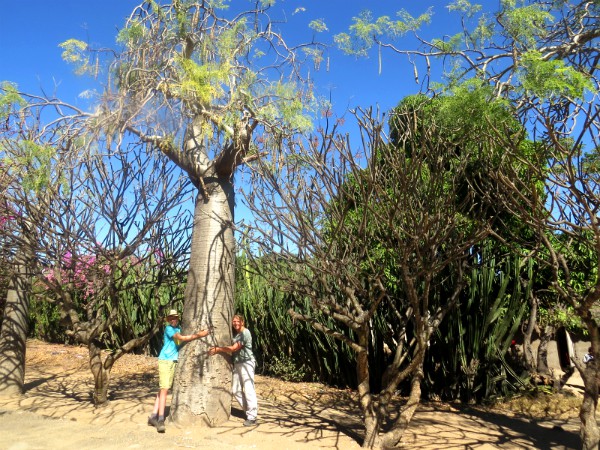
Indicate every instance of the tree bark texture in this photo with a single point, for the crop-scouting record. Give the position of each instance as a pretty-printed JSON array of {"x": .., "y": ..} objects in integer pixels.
[
  {"x": 367, "y": 405},
  {"x": 100, "y": 373},
  {"x": 392, "y": 438},
  {"x": 202, "y": 387},
  {"x": 13, "y": 336},
  {"x": 590, "y": 372},
  {"x": 590, "y": 435},
  {"x": 542, "y": 353},
  {"x": 530, "y": 362}
]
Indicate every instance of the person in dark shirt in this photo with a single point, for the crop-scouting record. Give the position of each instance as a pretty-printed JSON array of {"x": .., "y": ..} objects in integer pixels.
[{"x": 243, "y": 369}]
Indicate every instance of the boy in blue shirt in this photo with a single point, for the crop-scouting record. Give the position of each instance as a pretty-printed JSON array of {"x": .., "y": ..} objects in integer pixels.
[{"x": 167, "y": 361}]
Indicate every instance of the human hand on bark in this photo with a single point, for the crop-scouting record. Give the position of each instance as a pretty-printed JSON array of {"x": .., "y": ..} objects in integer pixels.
[{"x": 203, "y": 333}]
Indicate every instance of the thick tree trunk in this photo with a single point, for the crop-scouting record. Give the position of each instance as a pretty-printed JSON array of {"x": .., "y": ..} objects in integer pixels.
[
  {"x": 590, "y": 435},
  {"x": 372, "y": 426},
  {"x": 392, "y": 438},
  {"x": 590, "y": 373},
  {"x": 202, "y": 388},
  {"x": 100, "y": 373},
  {"x": 13, "y": 336},
  {"x": 542, "y": 353},
  {"x": 367, "y": 406},
  {"x": 530, "y": 362}
]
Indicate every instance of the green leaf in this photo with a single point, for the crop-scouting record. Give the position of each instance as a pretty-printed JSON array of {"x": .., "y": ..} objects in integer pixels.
[
  {"x": 551, "y": 79},
  {"x": 75, "y": 52},
  {"x": 318, "y": 25},
  {"x": 10, "y": 99}
]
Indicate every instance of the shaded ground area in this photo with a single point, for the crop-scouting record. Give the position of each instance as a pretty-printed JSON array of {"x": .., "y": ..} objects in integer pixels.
[{"x": 56, "y": 413}]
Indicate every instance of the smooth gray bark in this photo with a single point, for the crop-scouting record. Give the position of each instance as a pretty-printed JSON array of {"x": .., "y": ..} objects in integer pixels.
[
  {"x": 13, "y": 336},
  {"x": 202, "y": 388}
]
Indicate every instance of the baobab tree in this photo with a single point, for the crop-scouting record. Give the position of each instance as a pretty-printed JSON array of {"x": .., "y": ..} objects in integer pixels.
[{"x": 211, "y": 88}]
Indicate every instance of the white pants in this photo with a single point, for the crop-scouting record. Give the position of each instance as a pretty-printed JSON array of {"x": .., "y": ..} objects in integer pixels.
[{"x": 243, "y": 388}]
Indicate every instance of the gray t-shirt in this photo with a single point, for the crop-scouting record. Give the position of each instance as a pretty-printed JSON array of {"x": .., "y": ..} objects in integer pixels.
[{"x": 245, "y": 353}]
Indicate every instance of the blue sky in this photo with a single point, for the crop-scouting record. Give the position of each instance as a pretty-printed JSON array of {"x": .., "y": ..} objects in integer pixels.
[{"x": 30, "y": 31}]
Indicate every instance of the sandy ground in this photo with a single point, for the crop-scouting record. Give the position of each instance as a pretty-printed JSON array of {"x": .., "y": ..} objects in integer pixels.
[{"x": 56, "y": 412}]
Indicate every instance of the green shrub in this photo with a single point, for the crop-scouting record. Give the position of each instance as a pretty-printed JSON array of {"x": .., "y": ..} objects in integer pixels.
[
  {"x": 44, "y": 321},
  {"x": 288, "y": 369}
]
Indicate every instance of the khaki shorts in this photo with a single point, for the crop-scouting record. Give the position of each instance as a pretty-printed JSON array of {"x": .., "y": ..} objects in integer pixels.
[{"x": 166, "y": 373}]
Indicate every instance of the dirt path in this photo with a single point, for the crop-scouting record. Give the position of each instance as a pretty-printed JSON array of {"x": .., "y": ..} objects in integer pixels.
[{"x": 56, "y": 413}]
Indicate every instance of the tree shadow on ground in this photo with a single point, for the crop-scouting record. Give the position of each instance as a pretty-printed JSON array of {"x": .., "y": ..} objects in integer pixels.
[
  {"x": 308, "y": 416},
  {"x": 306, "y": 413},
  {"x": 436, "y": 427},
  {"x": 432, "y": 428},
  {"x": 543, "y": 434}
]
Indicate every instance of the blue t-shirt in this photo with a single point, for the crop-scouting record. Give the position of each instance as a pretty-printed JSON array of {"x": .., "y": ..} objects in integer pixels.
[{"x": 170, "y": 349}]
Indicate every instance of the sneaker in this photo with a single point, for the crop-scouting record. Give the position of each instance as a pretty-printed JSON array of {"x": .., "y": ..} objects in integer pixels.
[
  {"x": 249, "y": 423},
  {"x": 160, "y": 426},
  {"x": 152, "y": 421}
]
